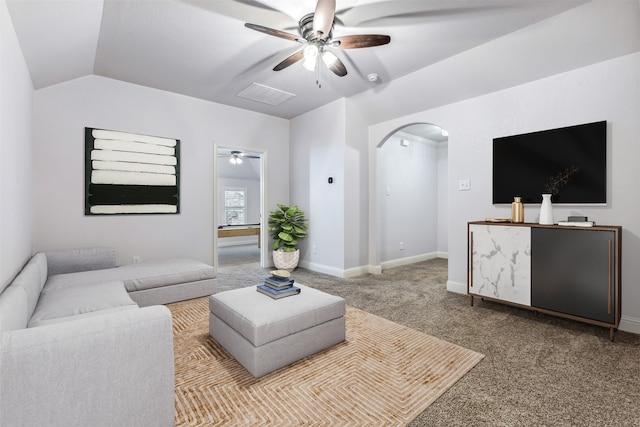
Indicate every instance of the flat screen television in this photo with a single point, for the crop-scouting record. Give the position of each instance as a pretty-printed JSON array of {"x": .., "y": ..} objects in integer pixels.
[{"x": 568, "y": 162}]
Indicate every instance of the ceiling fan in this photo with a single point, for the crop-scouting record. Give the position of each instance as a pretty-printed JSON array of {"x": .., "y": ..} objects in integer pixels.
[
  {"x": 235, "y": 157},
  {"x": 316, "y": 34}
]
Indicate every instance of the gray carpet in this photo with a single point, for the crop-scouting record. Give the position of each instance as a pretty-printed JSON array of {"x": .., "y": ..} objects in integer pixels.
[{"x": 538, "y": 371}]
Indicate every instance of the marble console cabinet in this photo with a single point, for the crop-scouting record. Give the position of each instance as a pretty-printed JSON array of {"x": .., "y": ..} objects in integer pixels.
[{"x": 572, "y": 272}]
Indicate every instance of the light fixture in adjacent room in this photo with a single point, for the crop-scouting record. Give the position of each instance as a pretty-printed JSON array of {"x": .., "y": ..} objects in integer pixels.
[
  {"x": 235, "y": 159},
  {"x": 444, "y": 132},
  {"x": 404, "y": 142}
]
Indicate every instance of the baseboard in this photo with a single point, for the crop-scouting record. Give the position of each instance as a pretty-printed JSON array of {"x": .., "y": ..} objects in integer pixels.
[
  {"x": 409, "y": 260},
  {"x": 371, "y": 269},
  {"x": 320, "y": 268},
  {"x": 457, "y": 287},
  {"x": 374, "y": 269},
  {"x": 629, "y": 324}
]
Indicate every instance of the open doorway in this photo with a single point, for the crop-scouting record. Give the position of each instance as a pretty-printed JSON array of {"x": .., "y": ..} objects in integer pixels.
[
  {"x": 239, "y": 207},
  {"x": 411, "y": 194}
]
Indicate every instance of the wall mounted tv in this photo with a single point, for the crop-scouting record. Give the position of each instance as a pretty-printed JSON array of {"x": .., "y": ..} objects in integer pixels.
[{"x": 526, "y": 165}]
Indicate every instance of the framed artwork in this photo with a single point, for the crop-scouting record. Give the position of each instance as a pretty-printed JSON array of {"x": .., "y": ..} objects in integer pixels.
[{"x": 127, "y": 173}]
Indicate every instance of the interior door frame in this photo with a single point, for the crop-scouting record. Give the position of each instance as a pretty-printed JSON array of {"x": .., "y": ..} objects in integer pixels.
[{"x": 264, "y": 236}]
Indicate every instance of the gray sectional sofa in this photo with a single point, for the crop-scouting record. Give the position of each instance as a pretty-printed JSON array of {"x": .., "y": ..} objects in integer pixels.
[{"x": 82, "y": 343}]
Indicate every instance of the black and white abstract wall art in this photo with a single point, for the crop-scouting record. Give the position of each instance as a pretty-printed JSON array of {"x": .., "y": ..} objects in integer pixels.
[{"x": 127, "y": 173}]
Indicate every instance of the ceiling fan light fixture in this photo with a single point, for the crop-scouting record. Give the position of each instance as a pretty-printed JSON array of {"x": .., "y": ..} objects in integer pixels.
[
  {"x": 310, "y": 54},
  {"x": 329, "y": 58}
]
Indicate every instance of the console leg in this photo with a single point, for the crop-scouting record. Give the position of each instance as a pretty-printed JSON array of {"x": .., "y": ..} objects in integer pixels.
[
  {"x": 611, "y": 334},
  {"x": 471, "y": 300}
]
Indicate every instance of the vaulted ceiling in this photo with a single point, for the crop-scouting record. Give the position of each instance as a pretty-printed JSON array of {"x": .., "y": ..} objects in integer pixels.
[{"x": 201, "y": 48}]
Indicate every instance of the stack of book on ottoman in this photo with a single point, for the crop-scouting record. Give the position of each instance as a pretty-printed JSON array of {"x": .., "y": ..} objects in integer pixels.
[{"x": 278, "y": 285}]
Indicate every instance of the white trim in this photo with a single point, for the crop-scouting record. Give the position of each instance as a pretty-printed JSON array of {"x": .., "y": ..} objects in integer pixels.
[
  {"x": 457, "y": 287},
  {"x": 630, "y": 324},
  {"x": 370, "y": 269},
  {"x": 355, "y": 272},
  {"x": 374, "y": 269},
  {"x": 319, "y": 268},
  {"x": 408, "y": 260}
]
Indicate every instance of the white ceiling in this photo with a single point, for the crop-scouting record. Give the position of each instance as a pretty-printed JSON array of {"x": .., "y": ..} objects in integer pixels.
[{"x": 201, "y": 48}]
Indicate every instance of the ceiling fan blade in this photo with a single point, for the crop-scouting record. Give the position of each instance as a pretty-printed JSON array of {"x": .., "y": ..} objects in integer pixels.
[
  {"x": 338, "y": 68},
  {"x": 292, "y": 59},
  {"x": 323, "y": 18},
  {"x": 361, "y": 40},
  {"x": 273, "y": 32}
]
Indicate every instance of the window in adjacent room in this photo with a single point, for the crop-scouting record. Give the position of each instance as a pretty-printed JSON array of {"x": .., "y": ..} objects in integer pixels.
[{"x": 235, "y": 208}]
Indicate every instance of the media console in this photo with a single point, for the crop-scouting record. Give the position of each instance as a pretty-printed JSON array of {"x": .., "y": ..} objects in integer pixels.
[{"x": 571, "y": 272}]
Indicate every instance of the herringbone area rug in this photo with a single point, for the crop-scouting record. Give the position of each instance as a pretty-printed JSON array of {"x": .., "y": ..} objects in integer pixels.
[{"x": 384, "y": 374}]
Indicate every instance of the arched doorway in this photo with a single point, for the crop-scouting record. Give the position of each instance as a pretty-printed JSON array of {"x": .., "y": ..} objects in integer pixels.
[{"x": 411, "y": 195}]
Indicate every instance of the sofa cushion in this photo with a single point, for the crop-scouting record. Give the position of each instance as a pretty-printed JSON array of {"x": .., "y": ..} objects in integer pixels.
[
  {"x": 80, "y": 259},
  {"x": 14, "y": 309},
  {"x": 32, "y": 279},
  {"x": 84, "y": 315},
  {"x": 71, "y": 301},
  {"x": 136, "y": 277}
]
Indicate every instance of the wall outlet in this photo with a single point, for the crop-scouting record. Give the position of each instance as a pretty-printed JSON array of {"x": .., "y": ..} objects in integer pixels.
[
  {"x": 136, "y": 259},
  {"x": 402, "y": 246},
  {"x": 314, "y": 249},
  {"x": 464, "y": 185}
]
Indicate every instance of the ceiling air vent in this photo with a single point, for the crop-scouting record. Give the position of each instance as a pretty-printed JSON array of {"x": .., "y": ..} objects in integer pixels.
[{"x": 264, "y": 94}]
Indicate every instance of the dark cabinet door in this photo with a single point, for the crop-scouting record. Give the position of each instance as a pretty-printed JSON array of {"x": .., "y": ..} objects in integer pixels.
[{"x": 572, "y": 271}]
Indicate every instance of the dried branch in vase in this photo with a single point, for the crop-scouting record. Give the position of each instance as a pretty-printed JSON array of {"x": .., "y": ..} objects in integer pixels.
[{"x": 558, "y": 181}]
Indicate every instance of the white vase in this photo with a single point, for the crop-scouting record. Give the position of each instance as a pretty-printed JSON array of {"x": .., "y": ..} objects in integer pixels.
[
  {"x": 286, "y": 260},
  {"x": 546, "y": 210}
]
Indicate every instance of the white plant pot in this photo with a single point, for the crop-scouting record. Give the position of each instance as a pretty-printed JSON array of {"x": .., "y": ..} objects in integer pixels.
[{"x": 286, "y": 260}]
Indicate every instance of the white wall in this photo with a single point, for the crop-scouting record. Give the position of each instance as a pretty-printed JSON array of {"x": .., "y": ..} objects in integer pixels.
[
  {"x": 407, "y": 190},
  {"x": 443, "y": 199},
  {"x": 317, "y": 153},
  {"x": 62, "y": 112},
  {"x": 16, "y": 191},
  {"x": 605, "y": 91},
  {"x": 356, "y": 202}
]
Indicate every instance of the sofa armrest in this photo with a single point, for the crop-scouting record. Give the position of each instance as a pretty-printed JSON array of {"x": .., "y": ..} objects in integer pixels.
[
  {"x": 80, "y": 259},
  {"x": 111, "y": 370}
]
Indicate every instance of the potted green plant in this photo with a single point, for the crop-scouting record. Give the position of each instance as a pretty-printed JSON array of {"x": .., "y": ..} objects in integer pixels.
[{"x": 287, "y": 225}]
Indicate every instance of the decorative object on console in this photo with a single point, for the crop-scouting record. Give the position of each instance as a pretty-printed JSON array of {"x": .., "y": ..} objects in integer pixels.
[
  {"x": 571, "y": 223},
  {"x": 556, "y": 182},
  {"x": 517, "y": 210},
  {"x": 127, "y": 173},
  {"x": 546, "y": 210}
]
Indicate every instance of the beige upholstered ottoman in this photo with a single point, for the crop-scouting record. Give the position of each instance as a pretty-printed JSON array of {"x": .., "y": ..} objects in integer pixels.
[{"x": 265, "y": 334}]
